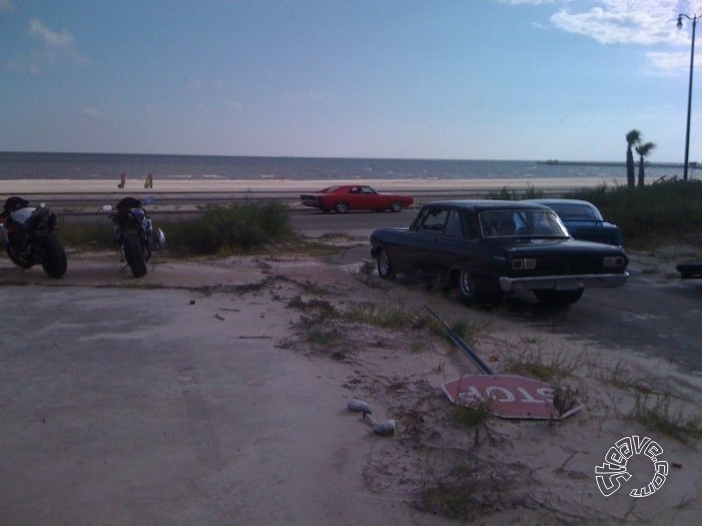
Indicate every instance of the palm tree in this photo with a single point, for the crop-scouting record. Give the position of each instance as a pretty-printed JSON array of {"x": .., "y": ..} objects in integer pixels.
[
  {"x": 643, "y": 150},
  {"x": 632, "y": 138}
]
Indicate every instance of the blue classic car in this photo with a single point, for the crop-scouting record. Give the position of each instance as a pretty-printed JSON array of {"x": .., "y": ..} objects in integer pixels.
[
  {"x": 492, "y": 248},
  {"x": 583, "y": 220}
]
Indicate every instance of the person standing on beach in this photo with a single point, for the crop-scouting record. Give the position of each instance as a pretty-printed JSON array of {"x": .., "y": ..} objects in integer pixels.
[
  {"x": 122, "y": 180},
  {"x": 149, "y": 182}
]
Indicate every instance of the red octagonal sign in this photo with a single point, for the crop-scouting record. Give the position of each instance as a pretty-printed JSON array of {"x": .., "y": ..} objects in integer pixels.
[{"x": 510, "y": 396}]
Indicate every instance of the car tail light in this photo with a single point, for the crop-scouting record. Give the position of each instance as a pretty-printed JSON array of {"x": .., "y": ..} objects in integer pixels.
[
  {"x": 613, "y": 262},
  {"x": 523, "y": 264}
]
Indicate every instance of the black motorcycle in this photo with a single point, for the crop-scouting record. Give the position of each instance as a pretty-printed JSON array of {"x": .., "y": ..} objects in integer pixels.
[
  {"x": 29, "y": 237},
  {"x": 133, "y": 230}
]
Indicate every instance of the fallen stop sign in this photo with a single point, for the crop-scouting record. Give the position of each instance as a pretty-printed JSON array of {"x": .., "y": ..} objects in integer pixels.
[{"x": 510, "y": 396}]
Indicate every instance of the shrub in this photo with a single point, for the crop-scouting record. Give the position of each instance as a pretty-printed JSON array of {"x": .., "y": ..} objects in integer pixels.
[
  {"x": 82, "y": 234},
  {"x": 239, "y": 226},
  {"x": 507, "y": 194},
  {"x": 666, "y": 209}
]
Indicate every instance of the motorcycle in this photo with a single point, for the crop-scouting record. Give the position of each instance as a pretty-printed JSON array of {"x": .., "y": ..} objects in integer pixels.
[
  {"x": 134, "y": 231},
  {"x": 29, "y": 236}
]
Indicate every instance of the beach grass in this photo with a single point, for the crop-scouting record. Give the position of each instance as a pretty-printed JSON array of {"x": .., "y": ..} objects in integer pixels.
[
  {"x": 231, "y": 229},
  {"x": 666, "y": 210},
  {"x": 237, "y": 228}
]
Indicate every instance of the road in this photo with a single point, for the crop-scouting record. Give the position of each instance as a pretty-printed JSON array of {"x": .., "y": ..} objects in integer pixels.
[
  {"x": 655, "y": 312},
  {"x": 353, "y": 223}
]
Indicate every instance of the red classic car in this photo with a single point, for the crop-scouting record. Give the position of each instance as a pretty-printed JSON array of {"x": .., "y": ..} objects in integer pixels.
[{"x": 354, "y": 197}]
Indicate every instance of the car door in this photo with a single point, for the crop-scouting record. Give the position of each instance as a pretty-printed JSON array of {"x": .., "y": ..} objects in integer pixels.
[
  {"x": 407, "y": 248},
  {"x": 368, "y": 199},
  {"x": 354, "y": 198},
  {"x": 458, "y": 243},
  {"x": 430, "y": 232}
]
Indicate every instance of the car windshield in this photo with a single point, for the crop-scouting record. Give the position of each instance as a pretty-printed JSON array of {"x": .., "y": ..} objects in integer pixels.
[
  {"x": 531, "y": 223},
  {"x": 575, "y": 212}
]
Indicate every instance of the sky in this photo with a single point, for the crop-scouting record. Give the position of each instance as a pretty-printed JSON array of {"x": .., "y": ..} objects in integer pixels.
[{"x": 431, "y": 79}]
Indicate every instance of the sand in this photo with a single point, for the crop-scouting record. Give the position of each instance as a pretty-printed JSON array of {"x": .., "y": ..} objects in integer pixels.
[{"x": 185, "y": 186}]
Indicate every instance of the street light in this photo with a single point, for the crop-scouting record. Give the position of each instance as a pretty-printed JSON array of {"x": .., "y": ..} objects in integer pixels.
[{"x": 689, "y": 91}]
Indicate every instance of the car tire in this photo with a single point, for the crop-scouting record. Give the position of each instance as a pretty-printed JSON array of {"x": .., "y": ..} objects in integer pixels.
[
  {"x": 341, "y": 207},
  {"x": 558, "y": 298},
  {"x": 396, "y": 206},
  {"x": 473, "y": 292},
  {"x": 385, "y": 269},
  {"x": 467, "y": 287}
]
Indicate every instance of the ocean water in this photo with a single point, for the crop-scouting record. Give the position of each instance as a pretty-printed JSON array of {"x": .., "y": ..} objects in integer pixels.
[{"x": 109, "y": 166}]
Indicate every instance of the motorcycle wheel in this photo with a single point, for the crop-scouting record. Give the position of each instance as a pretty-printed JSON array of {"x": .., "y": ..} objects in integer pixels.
[
  {"x": 134, "y": 254},
  {"x": 19, "y": 260},
  {"x": 53, "y": 259}
]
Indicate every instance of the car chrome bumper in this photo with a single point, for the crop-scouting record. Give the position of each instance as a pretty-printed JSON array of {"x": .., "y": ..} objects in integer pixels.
[{"x": 565, "y": 282}]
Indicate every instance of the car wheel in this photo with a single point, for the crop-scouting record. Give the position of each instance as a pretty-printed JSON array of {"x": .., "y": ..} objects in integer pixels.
[
  {"x": 341, "y": 207},
  {"x": 558, "y": 298},
  {"x": 472, "y": 293},
  {"x": 396, "y": 206},
  {"x": 385, "y": 269},
  {"x": 467, "y": 287}
]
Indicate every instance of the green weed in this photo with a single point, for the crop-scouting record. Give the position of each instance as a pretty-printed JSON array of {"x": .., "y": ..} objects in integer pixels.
[
  {"x": 656, "y": 413},
  {"x": 534, "y": 362},
  {"x": 471, "y": 416},
  {"x": 387, "y": 316},
  {"x": 619, "y": 377}
]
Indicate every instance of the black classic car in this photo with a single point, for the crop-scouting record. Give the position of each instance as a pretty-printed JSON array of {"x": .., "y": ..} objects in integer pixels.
[{"x": 492, "y": 248}]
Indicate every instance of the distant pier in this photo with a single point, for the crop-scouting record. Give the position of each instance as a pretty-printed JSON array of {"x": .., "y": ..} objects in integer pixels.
[{"x": 554, "y": 162}]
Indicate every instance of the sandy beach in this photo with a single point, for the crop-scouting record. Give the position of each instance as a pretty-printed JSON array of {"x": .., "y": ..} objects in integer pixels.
[{"x": 284, "y": 186}]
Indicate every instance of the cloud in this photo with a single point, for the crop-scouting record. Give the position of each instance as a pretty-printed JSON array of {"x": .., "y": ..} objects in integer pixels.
[
  {"x": 50, "y": 38},
  {"x": 53, "y": 48},
  {"x": 668, "y": 63},
  {"x": 644, "y": 22},
  {"x": 628, "y": 22}
]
